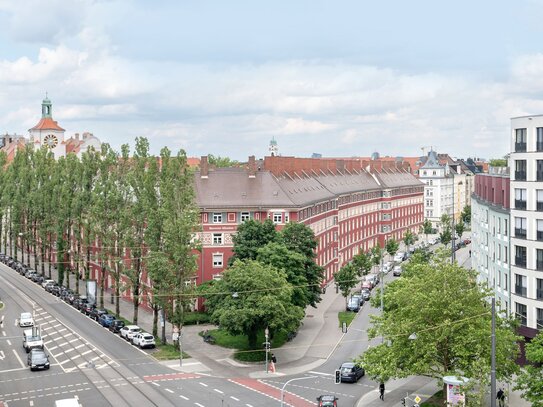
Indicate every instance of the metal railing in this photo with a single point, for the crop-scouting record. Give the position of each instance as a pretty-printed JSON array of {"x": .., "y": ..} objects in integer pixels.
[
  {"x": 520, "y": 147},
  {"x": 520, "y": 261},
  {"x": 520, "y": 175},
  {"x": 520, "y": 290},
  {"x": 520, "y": 204},
  {"x": 520, "y": 233}
]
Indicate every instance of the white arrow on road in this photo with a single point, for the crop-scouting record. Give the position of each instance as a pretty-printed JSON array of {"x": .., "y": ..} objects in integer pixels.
[{"x": 2, "y": 356}]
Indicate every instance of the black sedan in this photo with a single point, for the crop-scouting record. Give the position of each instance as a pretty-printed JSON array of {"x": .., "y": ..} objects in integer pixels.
[
  {"x": 38, "y": 359},
  {"x": 350, "y": 372}
]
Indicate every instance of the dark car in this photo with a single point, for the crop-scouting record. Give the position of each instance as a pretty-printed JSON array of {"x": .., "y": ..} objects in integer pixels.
[
  {"x": 96, "y": 313},
  {"x": 55, "y": 290},
  {"x": 106, "y": 320},
  {"x": 49, "y": 287},
  {"x": 71, "y": 297},
  {"x": 351, "y": 372},
  {"x": 327, "y": 400},
  {"x": 38, "y": 359},
  {"x": 353, "y": 305},
  {"x": 64, "y": 293},
  {"x": 116, "y": 326},
  {"x": 366, "y": 294},
  {"x": 87, "y": 307},
  {"x": 37, "y": 277}
]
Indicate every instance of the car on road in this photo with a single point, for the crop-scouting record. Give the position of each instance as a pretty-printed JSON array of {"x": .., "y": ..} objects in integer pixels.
[
  {"x": 32, "y": 340},
  {"x": 48, "y": 281},
  {"x": 366, "y": 294},
  {"x": 143, "y": 340},
  {"x": 327, "y": 400},
  {"x": 399, "y": 257},
  {"x": 49, "y": 286},
  {"x": 87, "y": 307},
  {"x": 353, "y": 305},
  {"x": 38, "y": 359},
  {"x": 373, "y": 279},
  {"x": 26, "y": 319},
  {"x": 397, "y": 272},
  {"x": 351, "y": 372},
  {"x": 96, "y": 313},
  {"x": 367, "y": 285},
  {"x": 116, "y": 326},
  {"x": 128, "y": 331},
  {"x": 106, "y": 320},
  {"x": 358, "y": 296}
]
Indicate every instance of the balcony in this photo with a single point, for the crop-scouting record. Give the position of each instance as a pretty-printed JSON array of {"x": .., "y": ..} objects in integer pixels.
[
  {"x": 521, "y": 233},
  {"x": 520, "y": 261},
  {"x": 539, "y": 146},
  {"x": 539, "y": 294},
  {"x": 519, "y": 204},
  {"x": 520, "y": 290},
  {"x": 539, "y": 176},
  {"x": 520, "y": 147},
  {"x": 539, "y": 235},
  {"x": 539, "y": 265},
  {"x": 520, "y": 175}
]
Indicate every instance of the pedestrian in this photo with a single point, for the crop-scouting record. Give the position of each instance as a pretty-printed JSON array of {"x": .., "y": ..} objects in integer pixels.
[
  {"x": 500, "y": 396},
  {"x": 382, "y": 391},
  {"x": 469, "y": 252}
]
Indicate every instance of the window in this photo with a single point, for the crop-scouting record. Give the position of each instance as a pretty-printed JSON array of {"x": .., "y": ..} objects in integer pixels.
[
  {"x": 520, "y": 228},
  {"x": 539, "y": 316},
  {"x": 217, "y": 238},
  {"x": 277, "y": 217},
  {"x": 520, "y": 140},
  {"x": 520, "y": 170},
  {"x": 539, "y": 140},
  {"x": 539, "y": 229},
  {"x": 539, "y": 259},
  {"x": 539, "y": 170},
  {"x": 505, "y": 227},
  {"x": 539, "y": 197},
  {"x": 539, "y": 289},
  {"x": 520, "y": 311},
  {"x": 217, "y": 218},
  {"x": 245, "y": 216},
  {"x": 286, "y": 218},
  {"x": 520, "y": 198},
  {"x": 520, "y": 256},
  {"x": 520, "y": 285},
  {"x": 217, "y": 259}
]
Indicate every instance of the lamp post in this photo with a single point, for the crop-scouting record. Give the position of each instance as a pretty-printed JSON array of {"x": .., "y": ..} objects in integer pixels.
[
  {"x": 292, "y": 380},
  {"x": 453, "y": 232},
  {"x": 493, "y": 357}
]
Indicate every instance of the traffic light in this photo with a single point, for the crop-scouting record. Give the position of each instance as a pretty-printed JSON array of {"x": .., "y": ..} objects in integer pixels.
[
  {"x": 338, "y": 376},
  {"x": 266, "y": 345}
]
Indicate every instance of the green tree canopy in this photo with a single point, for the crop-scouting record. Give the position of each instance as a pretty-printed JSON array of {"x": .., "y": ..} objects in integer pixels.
[
  {"x": 466, "y": 214},
  {"x": 346, "y": 278},
  {"x": 362, "y": 263},
  {"x": 250, "y": 297},
  {"x": 498, "y": 162},
  {"x": 459, "y": 228},
  {"x": 250, "y": 236},
  {"x": 530, "y": 381},
  {"x": 392, "y": 246},
  {"x": 408, "y": 238},
  {"x": 427, "y": 227},
  {"x": 447, "y": 310},
  {"x": 218, "y": 161}
]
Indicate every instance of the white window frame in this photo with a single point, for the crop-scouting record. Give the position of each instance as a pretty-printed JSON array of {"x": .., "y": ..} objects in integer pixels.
[
  {"x": 218, "y": 238},
  {"x": 277, "y": 217},
  {"x": 216, "y": 262},
  {"x": 245, "y": 216},
  {"x": 217, "y": 217}
]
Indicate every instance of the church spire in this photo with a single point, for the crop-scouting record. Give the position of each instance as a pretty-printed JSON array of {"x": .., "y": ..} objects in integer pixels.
[{"x": 46, "y": 108}]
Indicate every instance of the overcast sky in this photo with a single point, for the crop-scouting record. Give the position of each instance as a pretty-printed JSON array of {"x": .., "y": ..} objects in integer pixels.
[{"x": 339, "y": 77}]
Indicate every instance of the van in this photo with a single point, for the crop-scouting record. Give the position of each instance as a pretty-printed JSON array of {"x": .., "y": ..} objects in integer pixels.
[
  {"x": 32, "y": 339},
  {"x": 73, "y": 402}
]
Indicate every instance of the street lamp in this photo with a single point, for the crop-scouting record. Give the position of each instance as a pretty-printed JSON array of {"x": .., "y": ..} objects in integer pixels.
[
  {"x": 267, "y": 345},
  {"x": 292, "y": 380}
]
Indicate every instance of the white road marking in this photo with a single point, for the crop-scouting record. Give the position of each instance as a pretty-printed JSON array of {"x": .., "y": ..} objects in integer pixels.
[
  {"x": 203, "y": 384},
  {"x": 234, "y": 398},
  {"x": 8, "y": 341},
  {"x": 183, "y": 397},
  {"x": 320, "y": 373},
  {"x": 18, "y": 358},
  {"x": 169, "y": 391},
  {"x": 218, "y": 391},
  {"x": 199, "y": 405}
]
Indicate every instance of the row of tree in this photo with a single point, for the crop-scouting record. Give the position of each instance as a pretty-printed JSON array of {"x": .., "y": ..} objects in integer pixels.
[{"x": 124, "y": 212}]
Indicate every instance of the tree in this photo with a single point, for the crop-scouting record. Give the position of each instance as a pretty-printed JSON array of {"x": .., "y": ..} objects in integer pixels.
[
  {"x": 362, "y": 263},
  {"x": 447, "y": 310},
  {"x": 530, "y": 381},
  {"x": 427, "y": 228},
  {"x": 219, "y": 161},
  {"x": 376, "y": 254},
  {"x": 392, "y": 246},
  {"x": 346, "y": 278},
  {"x": 263, "y": 298},
  {"x": 250, "y": 236},
  {"x": 466, "y": 214},
  {"x": 459, "y": 229},
  {"x": 408, "y": 239},
  {"x": 498, "y": 162},
  {"x": 446, "y": 232}
]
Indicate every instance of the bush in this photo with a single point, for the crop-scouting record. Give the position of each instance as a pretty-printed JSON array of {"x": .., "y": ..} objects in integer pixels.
[
  {"x": 195, "y": 318},
  {"x": 250, "y": 355}
]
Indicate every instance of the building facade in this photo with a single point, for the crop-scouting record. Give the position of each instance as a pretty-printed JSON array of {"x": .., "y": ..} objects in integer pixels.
[
  {"x": 526, "y": 194},
  {"x": 490, "y": 233}
]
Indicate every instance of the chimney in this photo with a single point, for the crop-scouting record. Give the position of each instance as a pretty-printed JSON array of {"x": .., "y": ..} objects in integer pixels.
[
  {"x": 252, "y": 167},
  {"x": 204, "y": 168}
]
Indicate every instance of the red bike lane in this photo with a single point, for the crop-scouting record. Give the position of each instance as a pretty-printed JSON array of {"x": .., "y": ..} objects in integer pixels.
[{"x": 273, "y": 392}]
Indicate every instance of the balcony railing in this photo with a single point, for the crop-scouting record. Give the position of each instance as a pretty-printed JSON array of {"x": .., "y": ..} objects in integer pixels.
[
  {"x": 539, "y": 176},
  {"x": 539, "y": 146},
  {"x": 520, "y": 233},
  {"x": 520, "y": 290},
  {"x": 520, "y": 261},
  {"x": 520, "y": 175},
  {"x": 519, "y": 204},
  {"x": 539, "y": 265},
  {"x": 539, "y": 206},
  {"x": 539, "y": 235},
  {"x": 520, "y": 147},
  {"x": 539, "y": 294}
]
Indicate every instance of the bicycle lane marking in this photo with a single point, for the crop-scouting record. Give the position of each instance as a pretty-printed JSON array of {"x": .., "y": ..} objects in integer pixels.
[{"x": 256, "y": 385}]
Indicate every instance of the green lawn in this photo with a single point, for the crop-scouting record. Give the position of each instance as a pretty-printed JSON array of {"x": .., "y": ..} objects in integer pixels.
[
  {"x": 167, "y": 352},
  {"x": 346, "y": 316}
]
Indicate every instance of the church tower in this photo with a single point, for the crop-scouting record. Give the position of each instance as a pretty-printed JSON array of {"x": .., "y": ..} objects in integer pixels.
[
  {"x": 273, "y": 148},
  {"x": 47, "y": 133}
]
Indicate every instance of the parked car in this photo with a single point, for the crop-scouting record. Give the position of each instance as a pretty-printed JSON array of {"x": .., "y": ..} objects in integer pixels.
[
  {"x": 29, "y": 273},
  {"x": 87, "y": 307},
  {"x": 48, "y": 281},
  {"x": 128, "y": 331},
  {"x": 143, "y": 340},
  {"x": 367, "y": 285},
  {"x": 366, "y": 294},
  {"x": 55, "y": 290},
  {"x": 358, "y": 296},
  {"x": 116, "y": 326},
  {"x": 49, "y": 286},
  {"x": 351, "y": 372},
  {"x": 467, "y": 241},
  {"x": 353, "y": 305},
  {"x": 38, "y": 359},
  {"x": 327, "y": 400},
  {"x": 399, "y": 257},
  {"x": 106, "y": 320},
  {"x": 26, "y": 319},
  {"x": 37, "y": 278},
  {"x": 397, "y": 272},
  {"x": 373, "y": 279},
  {"x": 65, "y": 292},
  {"x": 77, "y": 302},
  {"x": 96, "y": 313},
  {"x": 71, "y": 297}
]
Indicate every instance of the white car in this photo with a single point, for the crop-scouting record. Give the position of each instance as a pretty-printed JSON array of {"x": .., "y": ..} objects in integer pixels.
[
  {"x": 26, "y": 319},
  {"x": 397, "y": 272},
  {"x": 128, "y": 331},
  {"x": 45, "y": 282},
  {"x": 143, "y": 340}
]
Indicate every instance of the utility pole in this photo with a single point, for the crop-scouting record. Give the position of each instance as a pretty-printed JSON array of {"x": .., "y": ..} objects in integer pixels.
[
  {"x": 453, "y": 232},
  {"x": 267, "y": 345},
  {"x": 493, "y": 357}
]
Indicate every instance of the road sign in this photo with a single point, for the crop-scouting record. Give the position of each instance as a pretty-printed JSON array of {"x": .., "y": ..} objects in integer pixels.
[{"x": 418, "y": 399}]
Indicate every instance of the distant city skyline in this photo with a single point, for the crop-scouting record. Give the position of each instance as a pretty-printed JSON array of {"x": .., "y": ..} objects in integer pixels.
[{"x": 339, "y": 78}]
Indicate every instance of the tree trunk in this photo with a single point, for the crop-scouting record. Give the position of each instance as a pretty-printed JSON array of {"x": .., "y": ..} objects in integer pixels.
[
  {"x": 155, "y": 320},
  {"x": 117, "y": 298}
]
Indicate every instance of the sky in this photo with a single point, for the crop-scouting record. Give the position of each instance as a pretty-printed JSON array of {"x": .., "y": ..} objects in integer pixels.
[{"x": 341, "y": 78}]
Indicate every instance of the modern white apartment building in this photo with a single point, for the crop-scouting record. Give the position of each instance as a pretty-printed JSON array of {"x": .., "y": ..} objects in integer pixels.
[
  {"x": 526, "y": 195},
  {"x": 438, "y": 190}
]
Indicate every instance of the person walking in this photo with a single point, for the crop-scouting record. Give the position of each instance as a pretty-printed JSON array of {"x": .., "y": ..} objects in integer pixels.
[
  {"x": 382, "y": 391},
  {"x": 500, "y": 396}
]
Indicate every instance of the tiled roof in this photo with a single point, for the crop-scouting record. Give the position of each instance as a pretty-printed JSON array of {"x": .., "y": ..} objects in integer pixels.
[
  {"x": 46, "y": 123},
  {"x": 303, "y": 190},
  {"x": 398, "y": 179},
  {"x": 432, "y": 161}
]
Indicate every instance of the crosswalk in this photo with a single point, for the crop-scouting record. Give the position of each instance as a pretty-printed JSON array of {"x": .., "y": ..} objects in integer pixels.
[{"x": 68, "y": 349}]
